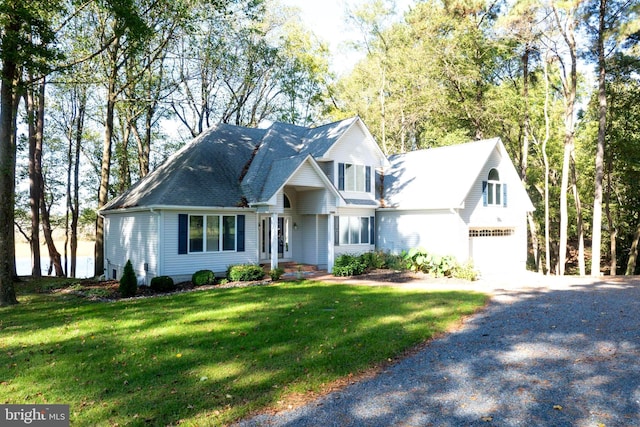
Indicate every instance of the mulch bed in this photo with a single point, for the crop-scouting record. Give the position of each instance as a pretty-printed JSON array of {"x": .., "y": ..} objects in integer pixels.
[{"x": 108, "y": 290}]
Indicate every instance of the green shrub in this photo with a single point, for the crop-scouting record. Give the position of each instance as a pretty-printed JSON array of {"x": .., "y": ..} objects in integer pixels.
[
  {"x": 203, "y": 277},
  {"x": 418, "y": 259},
  {"x": 465, "y": 271},
  {"x": 128, "y": 282},
  {"x": 275, "y": 273},
  {"x": 349, "y": 265},
  {"x": 374, "y": 260},
  {"x": 162, "y": 284},
  {"x": 245, "y": 272},
  {"x": 394, "y": 261}
]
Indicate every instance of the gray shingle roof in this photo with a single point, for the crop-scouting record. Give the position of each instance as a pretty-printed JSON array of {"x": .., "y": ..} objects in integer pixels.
[
  {"x": 317, "y": 141},
  {"x": 220, "y": 168},
  {"x": 435, "y": 178},
  {"x": 280, "y": 142},
  {"x": 205, "y": 172}
]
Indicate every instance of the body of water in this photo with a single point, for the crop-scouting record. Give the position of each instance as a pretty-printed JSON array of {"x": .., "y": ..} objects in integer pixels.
[{"x": 84, "y": 266}]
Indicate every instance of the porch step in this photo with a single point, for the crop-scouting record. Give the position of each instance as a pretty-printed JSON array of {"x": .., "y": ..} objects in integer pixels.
[{"x": 293, "y": 268}]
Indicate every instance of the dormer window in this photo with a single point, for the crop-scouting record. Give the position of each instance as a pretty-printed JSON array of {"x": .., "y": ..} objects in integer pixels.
[
  {"x": 494, "y": 192},
  {"x": 352, "y": 177}
]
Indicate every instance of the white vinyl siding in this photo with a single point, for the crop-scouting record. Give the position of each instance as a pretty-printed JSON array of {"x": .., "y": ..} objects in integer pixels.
[
  {"x": 134, "y": 237},
  {"x": 441, "y": 232},
  {"x": 355, "y": 150},
  {"x": 315, "y": 202},
  {"x": 181, "y": 267},
  {"x": 307, "y": 176},
  {"x": 496, "y": 214}
]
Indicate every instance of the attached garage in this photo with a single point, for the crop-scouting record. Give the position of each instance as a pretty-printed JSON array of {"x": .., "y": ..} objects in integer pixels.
[
  {"x": 495, "y": 250},
  {"x": 466, "y": 200}
]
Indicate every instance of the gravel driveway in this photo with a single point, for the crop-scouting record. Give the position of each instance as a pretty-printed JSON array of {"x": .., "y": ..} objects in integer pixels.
[{"x": 546, "y": 352}]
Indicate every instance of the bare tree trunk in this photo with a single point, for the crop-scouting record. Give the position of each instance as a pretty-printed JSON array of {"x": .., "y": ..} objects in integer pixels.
[
  {"x": 569, "y": 85},
  {"x": 535, "y": 244},
  {"x": 524, "y": 156},
  {"x": 383, "y": 127},
  {"x": 8, "y": 113},
  {"x": 35, "y": 159},
  {"x": 545, "y": 159},
  {"x": 105, "y": 169},
  {"x": 580, "y": 224},
  {"x": 564, "y": 211},
  {"x": 613, "y": 230},
  {"x": 123, "y": 182},
  {"x": 54, "y": 255},
  {"x": 633, "y": 253},
  {"x": 75, "y": 207},
  {"x": 602, "y": 127}
]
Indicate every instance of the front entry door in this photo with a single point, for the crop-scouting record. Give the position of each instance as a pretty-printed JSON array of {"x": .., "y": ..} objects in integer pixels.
[{"x": 284, "y": 237}]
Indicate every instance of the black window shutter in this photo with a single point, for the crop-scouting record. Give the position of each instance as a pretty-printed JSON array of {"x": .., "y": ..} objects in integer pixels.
[
  {"x": 336, "y": 231},
  {"x": 504, "y": 195},
  {"x": 372, "y": 230},
  {"x": 183, "y": 233},
  {"x": 340, "y": 177},
  {"x": 484, "y": 193},
  {"x": 240, "y": 233},
  {"x": 367, "y": 179}
]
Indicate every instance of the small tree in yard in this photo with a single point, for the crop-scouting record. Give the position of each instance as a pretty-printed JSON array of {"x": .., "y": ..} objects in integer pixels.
[{"x": 128, "y": 281}]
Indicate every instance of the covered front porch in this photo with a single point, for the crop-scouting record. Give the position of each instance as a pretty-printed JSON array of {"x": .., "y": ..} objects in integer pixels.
[{"x": 299, "y": 230}]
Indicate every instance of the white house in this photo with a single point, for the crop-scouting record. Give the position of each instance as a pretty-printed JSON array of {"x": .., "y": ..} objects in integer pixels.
[
  {"x": 241, "y": 195},
  {"x": 288, "y": 193}
]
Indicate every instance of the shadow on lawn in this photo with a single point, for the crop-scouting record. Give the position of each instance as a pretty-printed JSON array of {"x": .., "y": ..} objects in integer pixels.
[
  {"x": 563, "y": 357},
  {"x": 207, "y": 356}
]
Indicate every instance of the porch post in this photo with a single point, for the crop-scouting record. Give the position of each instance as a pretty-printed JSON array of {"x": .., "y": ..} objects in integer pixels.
[
  {"x": 330, "y": 243},
  {"x": 274, "y": 240}
]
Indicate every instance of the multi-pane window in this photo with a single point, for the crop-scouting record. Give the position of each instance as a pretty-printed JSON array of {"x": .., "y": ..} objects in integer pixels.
[
  {"x": 352, "y": 177},
  {"x": 495, "y": 232},
  {"x": 494, "y": 188},
  {"x": 354, "y": 230},
  {"x": 494, "y": 191},
  {"x": 210, "y": 233}
]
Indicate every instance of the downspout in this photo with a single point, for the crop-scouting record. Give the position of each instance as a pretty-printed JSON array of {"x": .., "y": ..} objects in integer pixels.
[
  {"x": 160, "y": 216},
  {"x": 104, "y": 249}
]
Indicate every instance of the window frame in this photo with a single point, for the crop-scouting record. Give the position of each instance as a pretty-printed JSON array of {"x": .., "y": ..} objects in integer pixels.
[
  {"x": 226, "y": 233},
  {"x": 354, "y": 177},
  {"x": 349, "y": 226},
  {"x": 494, "y": 189}
]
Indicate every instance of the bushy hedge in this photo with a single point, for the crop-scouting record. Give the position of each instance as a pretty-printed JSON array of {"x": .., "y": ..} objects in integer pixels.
[
  {"x": 349, "y": 265},
  {"x": 162, "y": 284},
  {"x": 275, "y": 273},
  {"x": 128, "y": 282},
  {"x": 203, "y": 277},
  {"x": 353, "y": 265},
  {"x": 418, "y": 259},
  {"x": 245, "y": 272}
]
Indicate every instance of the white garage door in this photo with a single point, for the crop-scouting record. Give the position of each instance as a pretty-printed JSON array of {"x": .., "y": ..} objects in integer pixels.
[{"x": 493, "y": 250}]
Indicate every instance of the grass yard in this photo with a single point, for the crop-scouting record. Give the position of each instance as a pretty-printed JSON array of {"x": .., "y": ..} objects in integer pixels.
[{"x": 208, "y": 357}]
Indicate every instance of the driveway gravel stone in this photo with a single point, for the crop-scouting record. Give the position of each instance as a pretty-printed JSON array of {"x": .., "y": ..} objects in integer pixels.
[{"x": 545, "y": 352}]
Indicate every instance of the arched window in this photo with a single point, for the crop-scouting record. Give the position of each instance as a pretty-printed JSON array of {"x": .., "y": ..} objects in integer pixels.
[
  {"x": 494, "y": 192},
  {"x": 287, "y": 202}
]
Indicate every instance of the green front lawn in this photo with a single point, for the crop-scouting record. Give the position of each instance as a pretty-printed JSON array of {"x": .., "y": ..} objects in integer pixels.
[{"x": 208, "y": 357}]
